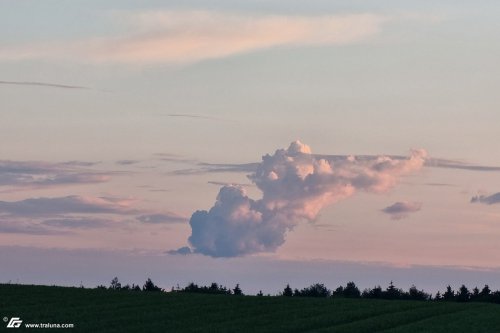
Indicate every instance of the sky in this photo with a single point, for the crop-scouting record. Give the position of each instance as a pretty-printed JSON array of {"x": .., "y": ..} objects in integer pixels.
[{"x": 252, "y": 142}]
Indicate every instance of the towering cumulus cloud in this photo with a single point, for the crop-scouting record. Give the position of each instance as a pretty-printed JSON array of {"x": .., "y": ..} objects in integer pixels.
[{"x": 296, "y": 185}]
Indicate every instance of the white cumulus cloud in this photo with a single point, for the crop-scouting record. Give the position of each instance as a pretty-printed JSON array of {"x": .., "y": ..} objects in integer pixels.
[{"x": 295, "y": 186}]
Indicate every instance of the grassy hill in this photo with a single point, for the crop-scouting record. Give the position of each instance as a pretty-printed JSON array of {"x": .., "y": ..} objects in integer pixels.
[{"x": 94, "y": 310}]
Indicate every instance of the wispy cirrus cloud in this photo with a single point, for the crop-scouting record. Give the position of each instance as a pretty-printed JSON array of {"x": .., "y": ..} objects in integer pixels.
[
  {"x": 160, "y": 218},
  {"x": 53, "y": 215},
  {"x": 228, "y": 184},
  {"x": 32, "y": 174},
  {"x": 79, "y": 163},
  {"x": 402, "y": 209},
  {"x": 202, "y": 168},
  {"x": 194, "y": 116},
  {"x": 127, "y": 162},
  {"x": 17, "y": 226},
  {"x": 42, "y": 84},
  {"x": 66, "y": 205},
  {"x": 183, "y": 36},
  {"x": 78, "y": 223},
  {"x": 454, "y": 164}
]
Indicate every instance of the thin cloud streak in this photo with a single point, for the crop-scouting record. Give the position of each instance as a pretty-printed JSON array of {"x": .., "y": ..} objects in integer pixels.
[
  {"x": 127, "y": 162},
  {"x": 251, "y": 167},
  {"x": 217, "y": 168},
  {"x": 22, "y": 175},
  {"x": 46, "y": 216},
  {"x": 195, "y": 116},
  {"x": 440, "y": 185},
  {"x": 10, "y": 226},
  {"x": 79, "y": 163},
  {"x": 183, "y": 37},
  {"x": 162, "y": 218},
  {"x": 229, "y": 184},
  {"x": 65, "y": 205},
  {"x": 167, "y": 157},
  {"x": 451, "y": 164},
  {"x": 78, "y": 223},
  {"x": 43, "y": 84}
]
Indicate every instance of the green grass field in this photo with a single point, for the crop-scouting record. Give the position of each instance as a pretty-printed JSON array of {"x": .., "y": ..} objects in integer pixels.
[{"x": 93, "y": 310}]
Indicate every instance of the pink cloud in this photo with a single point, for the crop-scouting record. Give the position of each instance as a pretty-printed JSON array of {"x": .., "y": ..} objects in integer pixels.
[
  {"x": 191, "y": 36},
  {"x": 296, "y": 185}
]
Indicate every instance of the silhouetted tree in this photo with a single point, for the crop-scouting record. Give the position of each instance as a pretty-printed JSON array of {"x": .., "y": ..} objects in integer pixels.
[
  {"x": 287, "y": 291},
  {"x": 191, "y": 287},
  {"x": 115, "y": 284},
  {"x": 314, "y": 290},
  {"x": 484, "y": 295},
  {"x": 494, "y": 297},
  {"x": 237, "y": 290},
  {"x": 214, "y": 288},
  {"x": 150, "y": 286},
  {"x": 475, "y": 294},
  {"x": 224, "y": 290},
  {"x": 338, "y": 292},
  {"x": 485, "y": 291},
  {"x": 449, "y": 294},
  {"x": 418, "y": 295},
  {"x": 463, "y": 294},
  {"x": 351, "y": 290},
  {"x": 376, "y": 292},
  {"x": 320, "y": 290},
  {"x": 392, "y": 292}
]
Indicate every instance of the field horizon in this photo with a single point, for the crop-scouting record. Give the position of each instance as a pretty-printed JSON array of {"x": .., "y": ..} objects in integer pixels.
[
  {"x": 264, "y": 145},
  {"x": 104, "y": 310}
]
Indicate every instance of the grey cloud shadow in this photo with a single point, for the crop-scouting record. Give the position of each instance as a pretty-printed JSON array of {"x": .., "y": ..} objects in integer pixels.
[
  {"x": 487, "y": 200},
  {"x": 402, "y": 209}
]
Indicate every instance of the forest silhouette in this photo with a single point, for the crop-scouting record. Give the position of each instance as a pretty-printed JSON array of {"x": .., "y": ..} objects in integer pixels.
[{"x": 350, "y": 290}]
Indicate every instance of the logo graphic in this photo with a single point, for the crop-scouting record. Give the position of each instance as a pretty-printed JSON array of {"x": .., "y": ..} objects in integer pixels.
[{"x": 15, "y": 322}]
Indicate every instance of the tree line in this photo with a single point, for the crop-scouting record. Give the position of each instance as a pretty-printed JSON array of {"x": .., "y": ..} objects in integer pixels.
[
  {"x": 149, "y": 285},
  {"x": 463, "y": 294},
  {"x": 116, "y": 285},
  {"x": 350, "y": 290}
]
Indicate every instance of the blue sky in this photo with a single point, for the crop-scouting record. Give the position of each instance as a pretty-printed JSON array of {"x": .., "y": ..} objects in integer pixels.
[{"x": 130, "y": 93}]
